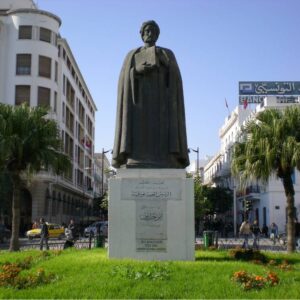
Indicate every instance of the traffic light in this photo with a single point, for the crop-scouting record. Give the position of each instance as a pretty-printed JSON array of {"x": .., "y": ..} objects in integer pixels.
[{"x": 248, "y": 205}]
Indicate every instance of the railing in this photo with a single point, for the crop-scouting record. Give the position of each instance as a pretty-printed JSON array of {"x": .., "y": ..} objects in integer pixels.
[
  {"x": 264, "y": 244},
  {"x": 249, "y": 190},
  {"x": 59, "y": 245}
]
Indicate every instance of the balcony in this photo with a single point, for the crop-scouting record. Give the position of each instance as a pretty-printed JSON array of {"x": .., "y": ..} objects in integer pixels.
[
  {"x": 223, "y": 170},
  {"x": 251, "y": 192}
]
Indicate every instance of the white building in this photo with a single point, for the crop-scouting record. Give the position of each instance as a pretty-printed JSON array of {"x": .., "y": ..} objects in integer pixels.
[
  {"x": 217, "y": 170},
  {"x": 104, "y": 171},
  {"x": 37, "y": 66},
  {"x": 268, "y": 201}
]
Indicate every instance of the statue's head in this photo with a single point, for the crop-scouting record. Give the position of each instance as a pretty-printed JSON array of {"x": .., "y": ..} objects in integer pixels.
[{"x": 149, "y": 31}]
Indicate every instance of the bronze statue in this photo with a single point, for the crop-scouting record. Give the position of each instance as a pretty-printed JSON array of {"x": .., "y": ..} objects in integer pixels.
[{"x": 150, "y": 126}]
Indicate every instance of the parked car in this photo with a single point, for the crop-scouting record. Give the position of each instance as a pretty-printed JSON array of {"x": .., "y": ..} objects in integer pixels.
[
  {"x": 55, "y": 231},
  {"x": 4, "y": 233},
  {"x": 92, "y": 229}
]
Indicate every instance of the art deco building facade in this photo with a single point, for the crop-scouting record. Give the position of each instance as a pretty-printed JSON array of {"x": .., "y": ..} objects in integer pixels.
[{"x": 37, "y": 67}]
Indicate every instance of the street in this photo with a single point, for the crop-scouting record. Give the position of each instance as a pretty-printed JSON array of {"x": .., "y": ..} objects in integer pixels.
[
  {"x": 265, "y": 244},
  {"x": 54, "y": 243}
]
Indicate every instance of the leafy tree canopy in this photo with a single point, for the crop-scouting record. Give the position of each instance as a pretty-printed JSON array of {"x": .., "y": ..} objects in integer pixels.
[{"x": 270, "y": 144}]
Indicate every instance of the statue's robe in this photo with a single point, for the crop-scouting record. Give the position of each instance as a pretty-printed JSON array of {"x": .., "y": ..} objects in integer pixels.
[{"x": 150, "y": 124}]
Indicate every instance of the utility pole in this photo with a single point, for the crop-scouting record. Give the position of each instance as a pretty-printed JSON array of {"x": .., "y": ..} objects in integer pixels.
[
  {"x": 234, "y": 209},
  {"x": 197, "y": 151},
  {"x": 102, "y": 170}
]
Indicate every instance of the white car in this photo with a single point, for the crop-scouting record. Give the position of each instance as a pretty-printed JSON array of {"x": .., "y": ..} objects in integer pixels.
[{"x": 92, "y": 229}]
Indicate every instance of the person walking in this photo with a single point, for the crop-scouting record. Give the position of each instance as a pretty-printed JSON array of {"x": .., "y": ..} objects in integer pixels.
[
  {"x": 255, "y": 232},
  {"x": 44, "y": 234},
  {"x": 273, "y": 232},
  {"x": 71, "y": 234},
  {"x": 73, "y": 229},
  {"x": 35, "y": 225},
  {"x": 245, "y": 231},
  {"x": 265, "y": 230}
]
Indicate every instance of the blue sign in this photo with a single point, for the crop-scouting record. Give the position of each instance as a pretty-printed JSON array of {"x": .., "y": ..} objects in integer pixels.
[{"x": 269, "y": 88}]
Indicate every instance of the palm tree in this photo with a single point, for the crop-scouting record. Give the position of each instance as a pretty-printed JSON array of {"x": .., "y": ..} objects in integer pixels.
[
  {"x": 29, "y": 142},
  {"x": 270, "y": 145}
]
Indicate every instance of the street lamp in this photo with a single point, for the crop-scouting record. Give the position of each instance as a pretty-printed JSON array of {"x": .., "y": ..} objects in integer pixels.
[
  {"x": 234, "y": 210},
  {"x": 102, "y": 170},
  {"x": 197, "y": 151}
]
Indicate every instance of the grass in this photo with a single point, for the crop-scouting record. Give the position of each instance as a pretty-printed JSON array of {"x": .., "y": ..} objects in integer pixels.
[{"x": 89, "y": 274}]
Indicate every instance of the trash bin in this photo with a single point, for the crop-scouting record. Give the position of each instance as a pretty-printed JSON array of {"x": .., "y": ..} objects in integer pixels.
[
  {"x": 99, "y": 241},
  {"x": 208, "y": 237}
]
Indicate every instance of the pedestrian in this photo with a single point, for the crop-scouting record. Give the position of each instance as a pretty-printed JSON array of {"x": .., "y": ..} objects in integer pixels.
[
  {"x": 44, "y": 234},
  {"x": 273, "y": 232},
  {"x": 255, "y": 232},
  {"x": 35, "y": 225},
  {"x": 71, "y": 234},
  {"x": 245, "y": 231},
  {"x": 72, "y": 227},
  {"x": 265, "y": 230}
]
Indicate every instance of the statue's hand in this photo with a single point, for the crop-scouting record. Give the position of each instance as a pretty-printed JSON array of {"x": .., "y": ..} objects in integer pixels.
[{"x": 145, "y": 68}]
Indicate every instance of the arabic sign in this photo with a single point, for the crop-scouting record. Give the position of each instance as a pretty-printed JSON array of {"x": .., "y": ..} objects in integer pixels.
[
  {"x": 268, "y": 88},
  {"x": 151, "y": 225},
  {"x": 151, "y": 189}
]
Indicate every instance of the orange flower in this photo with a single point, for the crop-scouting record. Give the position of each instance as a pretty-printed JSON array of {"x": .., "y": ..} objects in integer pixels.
[{"x": 259, "y": 278}]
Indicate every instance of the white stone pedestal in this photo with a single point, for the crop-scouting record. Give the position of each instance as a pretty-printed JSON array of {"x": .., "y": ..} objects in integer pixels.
[{"x": 151, "y": 215}]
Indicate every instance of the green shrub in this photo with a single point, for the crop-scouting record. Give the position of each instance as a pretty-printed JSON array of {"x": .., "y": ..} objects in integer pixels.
[{"x": 248, "y": 255}]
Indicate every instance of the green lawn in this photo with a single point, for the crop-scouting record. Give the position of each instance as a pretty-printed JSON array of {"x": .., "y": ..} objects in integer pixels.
[{"x": 90, "y": 274}]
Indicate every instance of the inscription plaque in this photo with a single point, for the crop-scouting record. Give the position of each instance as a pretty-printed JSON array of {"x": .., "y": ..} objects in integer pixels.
[
  {"x": 151, "y": 225},
  {"x": 144, "y": 245},
  {"x": 151, "y": 189}
]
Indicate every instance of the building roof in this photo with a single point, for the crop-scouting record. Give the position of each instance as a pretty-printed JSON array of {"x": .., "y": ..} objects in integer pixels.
[{"x": 16, "y": 4}]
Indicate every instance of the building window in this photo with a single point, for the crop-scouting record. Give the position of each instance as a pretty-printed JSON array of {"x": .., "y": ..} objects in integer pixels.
[
  {"x": 79, "y": 178},
  {"x": 25, "y": 32},
  {"x": 55, "y": 38},
  {"x": 63, "y": 111},
  {"x": 43, "y": 96},
  {"x": 69, "y": 146},
  {"x": 69, "y": 120},
  {"x": 55, "y": 102},
  {"x": 64, "y": 85},
  {"x": 89, "y": 125},
  {"x": 70, "y": 94},
  {"x": 47, "y": 197},
  {"x": 22, "y": 94},
  {"x": 44, "y": 66},
  {"x": 45, "y": 35},
  {"x": 264, "y": 216},
  {"x": 56, "y": 71},
  {"x": 80, "y": 112},
  {"x": 23, "y": 64}
]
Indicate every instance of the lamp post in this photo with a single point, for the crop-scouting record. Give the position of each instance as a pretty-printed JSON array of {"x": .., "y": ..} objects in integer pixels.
[
  {"x": 102, "y": 170},
  {"x": 197, "y": 151},
  {"x": 234, "y": 209}
]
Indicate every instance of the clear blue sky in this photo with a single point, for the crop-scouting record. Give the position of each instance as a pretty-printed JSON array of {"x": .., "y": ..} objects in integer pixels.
[{"x": 217, "y": 43}]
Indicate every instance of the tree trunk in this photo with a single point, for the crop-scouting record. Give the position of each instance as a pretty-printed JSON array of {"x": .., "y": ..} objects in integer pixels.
[
  {"x": 289, "y": 192},
  {"x": 14, "y": 241}
]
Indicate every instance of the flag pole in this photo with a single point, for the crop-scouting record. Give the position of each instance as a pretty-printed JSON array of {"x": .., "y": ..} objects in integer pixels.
[{"x": 226, "y": 104}]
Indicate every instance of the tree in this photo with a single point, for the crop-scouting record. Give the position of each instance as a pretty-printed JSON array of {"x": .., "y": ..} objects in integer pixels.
[
  {"x": 210, "y": 200},
  {"x": 104, "y": 203},
  {"x": 29, "y": 142},
  {"x": 5, "y": 194},
  {"x": 270, "y": 145}
]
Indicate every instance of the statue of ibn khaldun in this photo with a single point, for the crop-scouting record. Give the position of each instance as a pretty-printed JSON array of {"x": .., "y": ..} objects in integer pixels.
[{"x": 150, "y": 126}]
